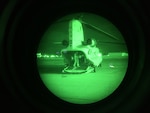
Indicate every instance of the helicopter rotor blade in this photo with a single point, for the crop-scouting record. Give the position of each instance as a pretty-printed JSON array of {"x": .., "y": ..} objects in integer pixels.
[
  {"x": 120, "y": 43},
  {"x": 90, "y": 26},
  {"x": 57, "y": 42},
  {"x": 64, "y": 43},
  {"x": 100, "y": 30}
]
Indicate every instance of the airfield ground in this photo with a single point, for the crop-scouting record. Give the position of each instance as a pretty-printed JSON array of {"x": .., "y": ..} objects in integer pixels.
[{"x": 86, "y": 87}]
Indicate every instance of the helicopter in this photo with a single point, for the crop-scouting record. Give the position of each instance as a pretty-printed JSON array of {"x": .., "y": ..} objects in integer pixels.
[{"x": 80, "y": 55}]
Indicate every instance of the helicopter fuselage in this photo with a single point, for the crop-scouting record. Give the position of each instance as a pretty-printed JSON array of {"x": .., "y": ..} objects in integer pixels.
[{"x": 77, "y": 54}]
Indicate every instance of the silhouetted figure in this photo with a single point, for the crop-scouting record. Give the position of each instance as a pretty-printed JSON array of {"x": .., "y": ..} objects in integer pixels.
[{"x": 76, "y": 60}]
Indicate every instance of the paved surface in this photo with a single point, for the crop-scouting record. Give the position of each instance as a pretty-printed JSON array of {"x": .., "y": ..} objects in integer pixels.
[{"x": 86, "y": 87}]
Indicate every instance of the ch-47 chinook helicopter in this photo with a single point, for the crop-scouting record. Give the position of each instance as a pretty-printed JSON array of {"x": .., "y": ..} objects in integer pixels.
[{"x": 81, "y": 56}]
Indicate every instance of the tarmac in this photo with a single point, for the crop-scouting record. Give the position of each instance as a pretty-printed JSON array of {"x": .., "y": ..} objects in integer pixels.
[{"x": 84, "y": 88}]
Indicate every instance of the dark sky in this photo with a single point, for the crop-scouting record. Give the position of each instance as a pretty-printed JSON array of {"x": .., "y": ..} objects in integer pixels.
[{"x": 59, "y": 31}]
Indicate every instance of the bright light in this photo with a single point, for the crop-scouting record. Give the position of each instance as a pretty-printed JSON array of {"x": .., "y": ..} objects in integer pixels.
[
  {"x": 124, "y": 54},
  {"x": 52, "y": 56},
  {"x": 39, "y": 55}
]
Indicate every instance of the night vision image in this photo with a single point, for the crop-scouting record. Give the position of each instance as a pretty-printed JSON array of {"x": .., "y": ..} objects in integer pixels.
[{"x": 82, "y": 58}]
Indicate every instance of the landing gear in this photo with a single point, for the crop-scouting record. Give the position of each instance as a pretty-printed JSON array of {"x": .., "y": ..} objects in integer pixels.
[{"x": 95, "y": 67}]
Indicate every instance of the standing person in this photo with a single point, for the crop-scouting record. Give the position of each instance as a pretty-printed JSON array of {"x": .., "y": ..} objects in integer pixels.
[{"x": 76, "y": 60}]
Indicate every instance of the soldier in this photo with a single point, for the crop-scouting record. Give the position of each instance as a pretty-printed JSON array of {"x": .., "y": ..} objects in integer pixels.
[{"x": 76, "y": 60}]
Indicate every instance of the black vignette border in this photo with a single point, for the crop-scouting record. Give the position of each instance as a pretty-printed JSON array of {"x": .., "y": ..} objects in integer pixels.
[{"x": 19, "y": 104}]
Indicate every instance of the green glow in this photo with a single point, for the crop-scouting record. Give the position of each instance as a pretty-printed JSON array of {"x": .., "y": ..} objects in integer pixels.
[
  {"x": 89, "y": 86},
  {"x": 76, "y": 34}
]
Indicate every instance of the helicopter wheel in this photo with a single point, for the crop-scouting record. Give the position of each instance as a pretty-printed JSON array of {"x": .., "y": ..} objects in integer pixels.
[{"x": 96, "y": 67}]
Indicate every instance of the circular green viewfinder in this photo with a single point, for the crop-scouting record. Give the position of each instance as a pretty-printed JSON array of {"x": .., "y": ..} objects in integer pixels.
[{"x": 82, "y": 58}]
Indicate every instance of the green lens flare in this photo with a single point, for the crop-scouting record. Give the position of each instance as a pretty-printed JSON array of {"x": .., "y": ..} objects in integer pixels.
[{"x": 82, "y": 58}]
